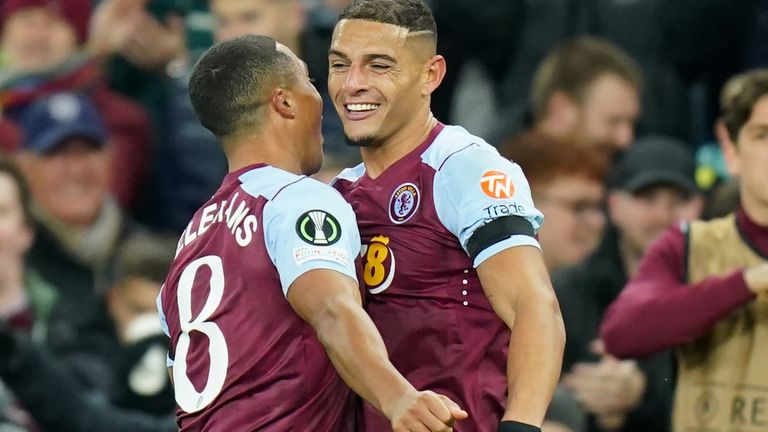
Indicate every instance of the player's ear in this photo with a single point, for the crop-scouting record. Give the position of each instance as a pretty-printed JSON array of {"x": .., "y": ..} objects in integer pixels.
[
  {"x": 283, "y": 102},
  {"x": 435, "y": 70}
]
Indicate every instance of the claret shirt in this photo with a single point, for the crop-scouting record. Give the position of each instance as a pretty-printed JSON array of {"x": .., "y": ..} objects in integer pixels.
[
  {"x": 416, "y": 221},
  {"x": 242, "y": 359}
]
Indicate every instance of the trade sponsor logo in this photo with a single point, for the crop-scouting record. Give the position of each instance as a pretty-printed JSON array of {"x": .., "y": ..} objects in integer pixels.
[{"x": 497, "y": 184}]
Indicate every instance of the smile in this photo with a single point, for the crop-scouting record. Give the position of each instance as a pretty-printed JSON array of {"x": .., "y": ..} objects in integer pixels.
[{"x": 361, "y": 107}]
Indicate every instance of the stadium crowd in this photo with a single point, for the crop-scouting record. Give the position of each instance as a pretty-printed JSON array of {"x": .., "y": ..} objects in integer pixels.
[{"x": 624, "y": 116}]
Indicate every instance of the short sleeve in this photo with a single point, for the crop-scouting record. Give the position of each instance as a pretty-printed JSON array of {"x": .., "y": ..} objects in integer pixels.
[
  {"x": 477, "y": 186},
  {"x": 309, "y": 226}
]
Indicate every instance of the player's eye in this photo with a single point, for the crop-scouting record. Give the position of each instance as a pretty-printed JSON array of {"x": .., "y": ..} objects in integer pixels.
[
  {"x": 338, "y": 66},
  {"x": 379, "y": 67}
]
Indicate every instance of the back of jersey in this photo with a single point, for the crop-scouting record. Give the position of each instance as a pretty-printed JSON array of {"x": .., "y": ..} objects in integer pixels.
[{"x": 242, "y": 359}]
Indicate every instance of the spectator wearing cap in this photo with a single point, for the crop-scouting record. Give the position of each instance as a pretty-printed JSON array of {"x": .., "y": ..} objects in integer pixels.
[
  {"x": 42, "y": 42},
  {"x": 650, "y": 188},
  {"x": 79, "y": 225}
]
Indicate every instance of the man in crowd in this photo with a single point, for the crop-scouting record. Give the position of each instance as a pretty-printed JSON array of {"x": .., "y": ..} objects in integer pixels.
[
  {"x": 42, "y": 41},
  {"x": 587, "y": 90},
  {"x": 66, "y": 157},
  {"x": 651, "y": 187}
]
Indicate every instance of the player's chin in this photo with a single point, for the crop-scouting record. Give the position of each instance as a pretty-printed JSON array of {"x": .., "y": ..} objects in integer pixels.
[
  {"x": 313, "y": 167},
  {"x": 368, "y": 141}
]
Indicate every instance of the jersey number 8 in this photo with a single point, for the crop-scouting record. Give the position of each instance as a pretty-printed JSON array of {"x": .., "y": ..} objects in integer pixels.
[{"x": 188, "y": 398}]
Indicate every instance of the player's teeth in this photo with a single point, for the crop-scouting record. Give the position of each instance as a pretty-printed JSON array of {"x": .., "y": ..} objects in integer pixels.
[{"x": 362, "y": 107}]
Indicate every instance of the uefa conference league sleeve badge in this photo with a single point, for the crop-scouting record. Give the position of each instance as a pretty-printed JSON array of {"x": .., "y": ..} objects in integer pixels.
[{"x": 318, "y": 228}]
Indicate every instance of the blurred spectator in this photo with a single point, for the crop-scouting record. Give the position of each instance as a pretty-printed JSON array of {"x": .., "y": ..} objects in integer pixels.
[
  {"x": 651, "y": 187},
  {"x": 80, "y": 226},
  {"x": 39, "y": 35},
  {"x": 187, "y": 162},
  {"x": 142, "y": 378},
  {"x": 25, "y": 299},
  {"x": 152, "y": 67},
  {"x": 288, "y": 22},
  {"x": 41, "y": 39},
  {"x": 567, "y": 183},
  {"x": 10, "y": 136},
  {"x": 55, "y": 399},
  {"x": 702, "y": 287},
  {"x": 587, "y": 90},
  {"x": 545, "y": 24}
]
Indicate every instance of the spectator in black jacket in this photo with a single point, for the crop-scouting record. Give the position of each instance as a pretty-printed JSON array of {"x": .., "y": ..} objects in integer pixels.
[{"x": 651, "y": 187}]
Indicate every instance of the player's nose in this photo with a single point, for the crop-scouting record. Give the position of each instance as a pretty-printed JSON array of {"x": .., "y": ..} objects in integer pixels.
[{"x": 357, "y": 80}]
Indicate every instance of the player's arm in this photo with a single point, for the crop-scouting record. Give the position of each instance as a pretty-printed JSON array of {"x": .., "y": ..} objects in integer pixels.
[
  {"x": 485, "y": 201},
  {"x": 518, "y": 287},
  {"x": 312, "y": 238},
  {"x": 330, "y": 302}
]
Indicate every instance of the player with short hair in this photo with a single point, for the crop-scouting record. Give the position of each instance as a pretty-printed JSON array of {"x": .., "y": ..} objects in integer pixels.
[
  {"x": 450, "y": 255},
  {"x": 262, "y": 300}
]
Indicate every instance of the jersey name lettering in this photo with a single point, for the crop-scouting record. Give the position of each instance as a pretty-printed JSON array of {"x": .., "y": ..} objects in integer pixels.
[{"x": 234, "y": 213}]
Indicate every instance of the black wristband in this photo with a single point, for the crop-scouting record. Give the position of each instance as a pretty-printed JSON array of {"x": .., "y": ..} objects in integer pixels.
[{"x": 513, "y": 426}]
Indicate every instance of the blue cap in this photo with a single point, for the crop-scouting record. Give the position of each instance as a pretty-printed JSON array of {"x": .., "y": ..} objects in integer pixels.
[{"x": 47, "y": 122}]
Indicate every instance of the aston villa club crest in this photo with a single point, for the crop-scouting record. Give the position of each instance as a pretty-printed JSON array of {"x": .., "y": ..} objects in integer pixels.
[
  {"x": 404, "y": 203},
  {"x": 318, "y": 228}
]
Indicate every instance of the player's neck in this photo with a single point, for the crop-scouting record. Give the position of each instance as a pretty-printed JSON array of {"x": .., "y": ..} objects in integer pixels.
[
  {"x": 378, "y": 159},
  {"x": 756, "y": 210},
  {"x": 264, "y": 149}
]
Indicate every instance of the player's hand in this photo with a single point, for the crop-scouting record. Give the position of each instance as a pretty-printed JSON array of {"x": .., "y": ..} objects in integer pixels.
[
  {"x": 425, "y": 411},
  {"x": 756, "y": 278}
]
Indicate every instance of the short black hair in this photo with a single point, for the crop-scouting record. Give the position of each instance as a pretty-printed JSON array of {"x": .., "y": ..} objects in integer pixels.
[
  {"x": 9, "y": 168},
  {"x": 230, "y": 82},
  {"x": 738, "y": 99},
  {"x": 413, "y": 15}
]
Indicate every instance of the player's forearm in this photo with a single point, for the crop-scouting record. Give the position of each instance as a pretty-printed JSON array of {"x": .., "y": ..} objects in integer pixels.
[
  {"x": 358, "y": 354},
  {"x": 535, "y": 357}
]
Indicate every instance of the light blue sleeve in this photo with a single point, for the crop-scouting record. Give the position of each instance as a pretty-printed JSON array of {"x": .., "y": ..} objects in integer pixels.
[
  {"x": 477, "y": 185},
  {"x": 309, "y": 226}
]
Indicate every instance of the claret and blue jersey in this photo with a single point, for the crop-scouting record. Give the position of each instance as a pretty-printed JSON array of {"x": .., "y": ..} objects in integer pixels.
[
  {"x": 424, "y": 224},
  {"x": 242, "y": 358}
]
